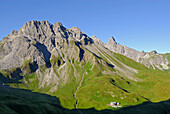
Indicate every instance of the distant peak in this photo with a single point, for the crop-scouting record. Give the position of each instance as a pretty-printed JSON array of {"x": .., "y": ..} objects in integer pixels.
[
  {"x": 153, "y": 52},
  {"x": 93, "y": 37},
  {"x": 112, "y": 40},
  {"x": 58, "y": 24},
  {"x": 14, "y": 32},
  {"x": 142, "y": 51},
  {"x": 75, "y": 29}
]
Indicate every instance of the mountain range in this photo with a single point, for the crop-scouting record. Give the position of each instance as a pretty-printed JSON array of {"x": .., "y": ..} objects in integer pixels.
[{"x": 82, "y": 71}]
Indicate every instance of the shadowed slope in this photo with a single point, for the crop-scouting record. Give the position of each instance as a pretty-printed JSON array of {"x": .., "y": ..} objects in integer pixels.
[{"x": 20, "y": 101}]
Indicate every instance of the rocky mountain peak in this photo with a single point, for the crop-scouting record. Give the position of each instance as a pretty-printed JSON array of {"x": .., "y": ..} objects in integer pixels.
[
  {"x": 93, "y": 37},
  {"x": 112, "y": 40},
  {"x": 75, "y": 29},
  {"x": 97, "y": 40},
  {"x": 153, "y": 52},
  {"x": 111, "y": 43},
  {"x": 36, "y": 28},
  {"x": 14, "y": 32},
  {"x": 59, "y": 24},
  {"x": 35, "y": 23}
]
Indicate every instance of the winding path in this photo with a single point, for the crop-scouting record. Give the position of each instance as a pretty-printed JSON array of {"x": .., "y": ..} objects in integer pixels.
[{"x": 77, "y": 90}]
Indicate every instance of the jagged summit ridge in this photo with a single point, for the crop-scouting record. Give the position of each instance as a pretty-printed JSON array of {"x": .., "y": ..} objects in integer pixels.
[
  {"x": 149, "y": 59},
  {"x": 36, "y": 40},
  {"x": 112, "y": 40},
  {"x": 36, "y": 28},
  {"x": 43, "y": 32},
  {"x": 43, "y": 29}
]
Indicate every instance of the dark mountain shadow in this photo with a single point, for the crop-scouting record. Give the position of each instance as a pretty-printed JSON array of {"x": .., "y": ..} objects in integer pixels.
[
  {"x": 42, "y": 48},
  {"x": 17, "y": 74},
  {"x": 96, "y": 55},
  {"x": 33, "y": 66},
  {"x": 110, "y": 65},
  {"x": 81, "y": 54},
  {"x": 22, "y": 101},
  {"x": 6, "y": 80},
  {"x": 88, "y": 40},
  {"x": 13, "y": 100}
]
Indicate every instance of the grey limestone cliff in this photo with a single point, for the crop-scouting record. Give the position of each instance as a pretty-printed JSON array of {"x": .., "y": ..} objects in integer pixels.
[{"x": 36, "y": 40}]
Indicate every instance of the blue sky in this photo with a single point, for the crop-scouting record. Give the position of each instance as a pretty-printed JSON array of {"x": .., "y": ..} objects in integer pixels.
[{"x": 139, "y": 24}]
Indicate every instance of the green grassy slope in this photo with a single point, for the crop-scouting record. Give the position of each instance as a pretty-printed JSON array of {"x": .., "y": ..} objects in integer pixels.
[
  {"x": 155, "y": 84},
  {"x": 99, "y": 89}
]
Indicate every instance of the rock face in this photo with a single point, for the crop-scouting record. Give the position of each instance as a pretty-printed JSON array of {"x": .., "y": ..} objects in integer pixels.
[
  {"x": 149, "y": 59},
  {"x": 36, "y": 40},
  {"x": 39, "y": 45}
]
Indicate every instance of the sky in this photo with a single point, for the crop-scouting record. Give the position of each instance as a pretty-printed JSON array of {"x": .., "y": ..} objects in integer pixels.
[{"x": 138, "y": 24}]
